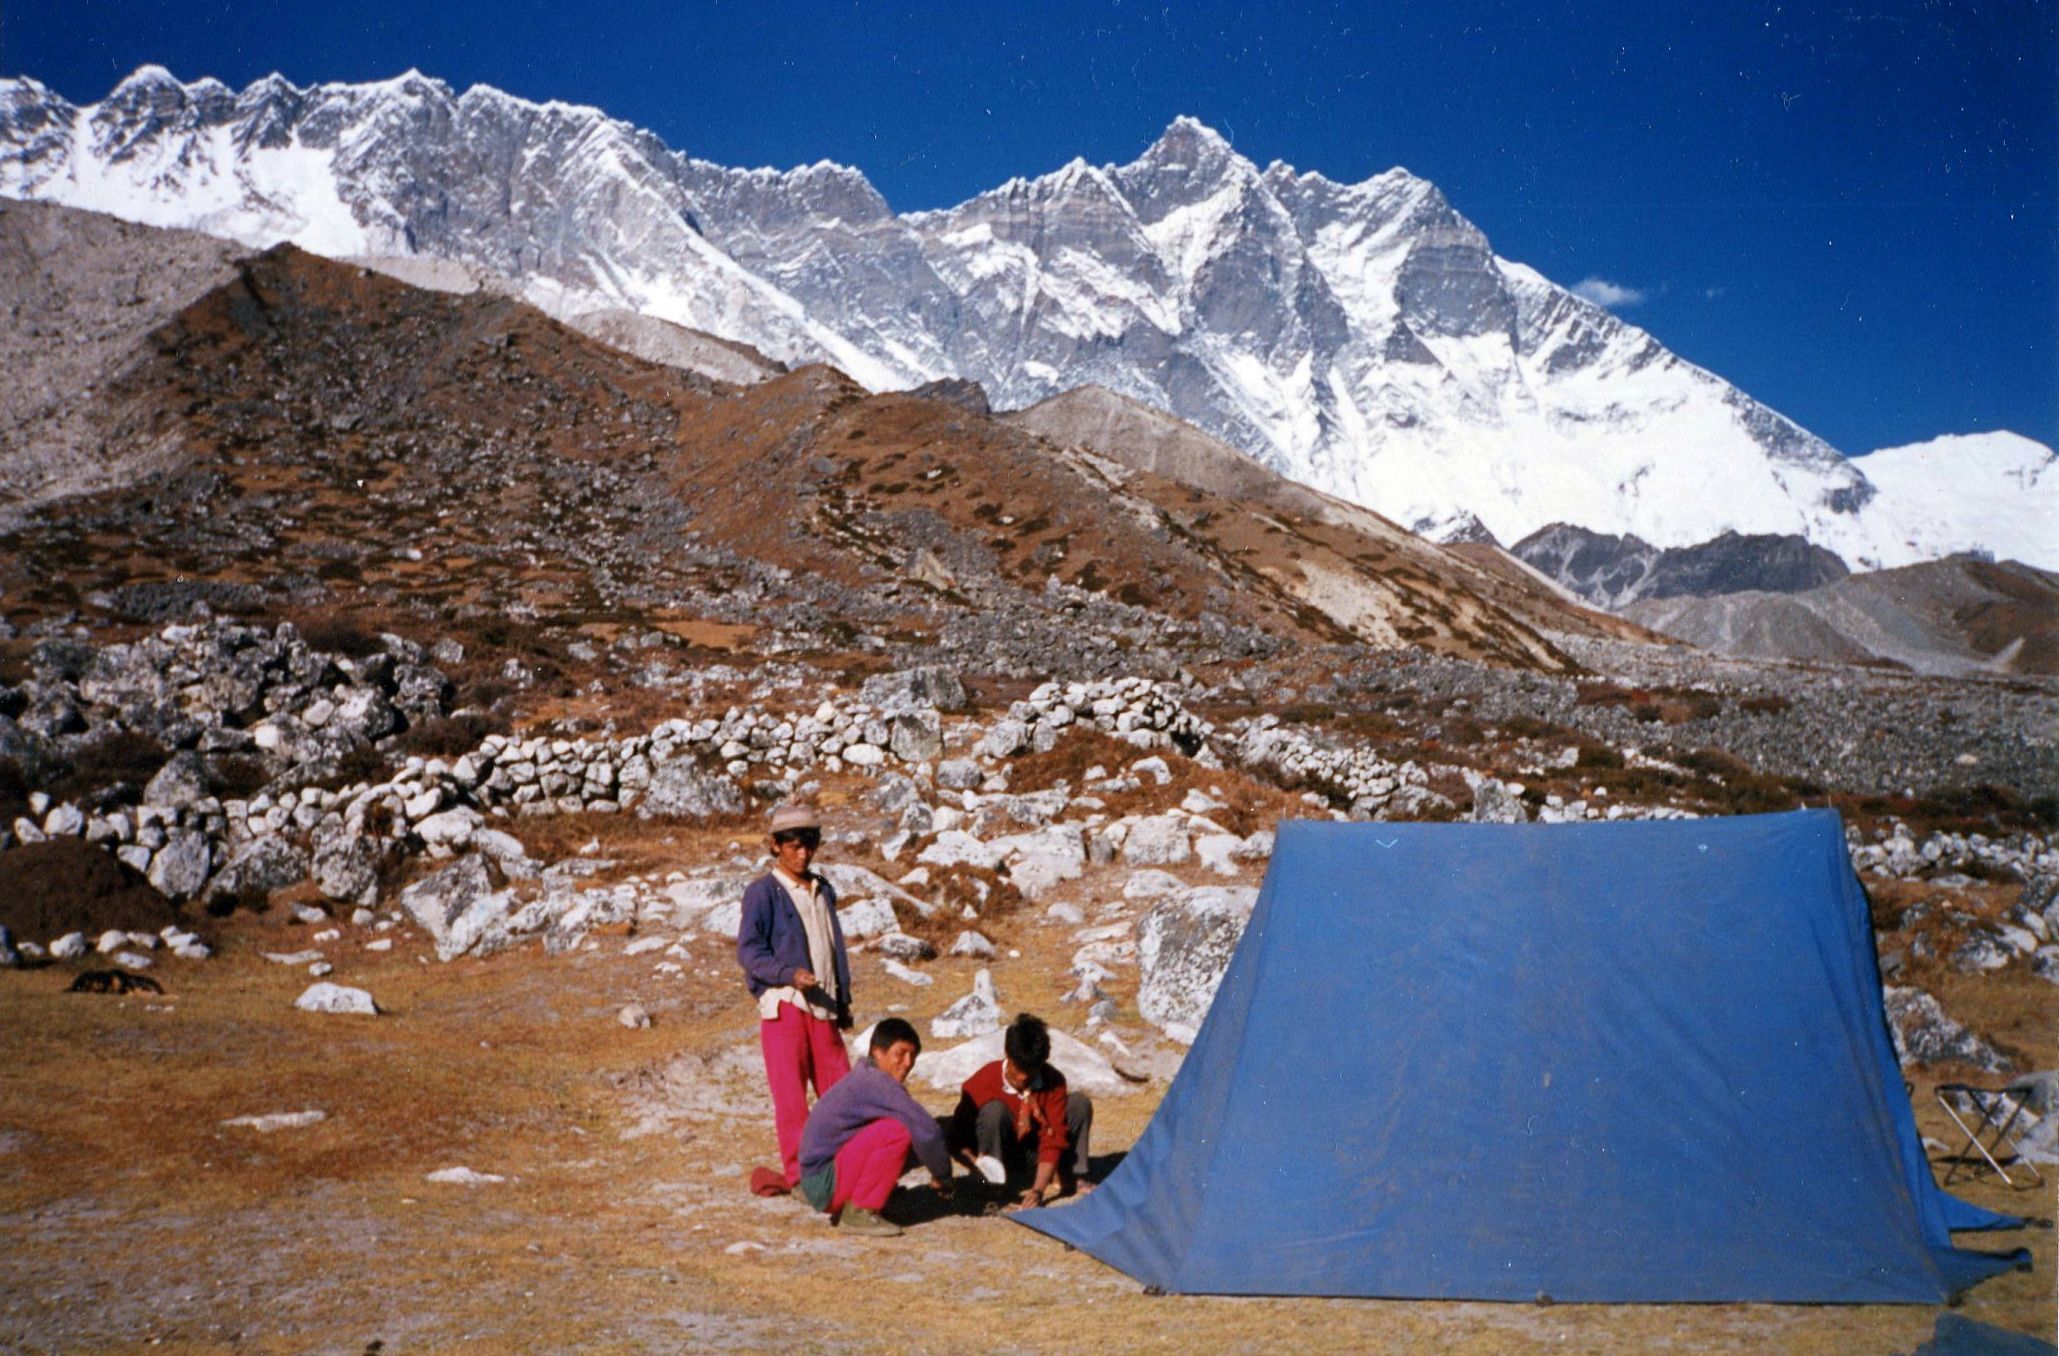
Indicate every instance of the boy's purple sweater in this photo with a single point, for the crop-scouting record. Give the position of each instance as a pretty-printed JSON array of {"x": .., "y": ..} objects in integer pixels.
[{"x": 862, "y": 1096}]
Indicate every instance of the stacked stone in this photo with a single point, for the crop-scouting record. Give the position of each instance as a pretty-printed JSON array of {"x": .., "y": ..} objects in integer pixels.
[
  {"x": 1361, "y": 778},
  {"x": 2022, "y": 855},
  {"x": 1146, "y": 713}
]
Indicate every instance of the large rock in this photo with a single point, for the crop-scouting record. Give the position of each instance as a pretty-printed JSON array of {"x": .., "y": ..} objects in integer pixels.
[
  {"x": 1156, "y": 840},
  {"x": 182, "y": 865},
  {"x": 181, "y": 782},
  {"x": 867, "y": 918},
  {"x": 1038, "y": 862},
  {"x": 452, "y": 828},
  {"x": 1004, "y": 740},
  {"x": 1924, "y": 1035},
  {"x": 917, "y": 737},
  {"x": 914, "y": 689},
  {"x": 955, "y": 847},
  {"x": 1495, "y": 802},
  {"x": 684, "y": 788},
  {"x": 973, "y": 1015},
  {"x": 345, "y": 865},
  {"x": 264, "y": 864},
  {"x": 457, "y": 906},
  {"x": 1084, "y": 1067},
  {"x": 1183, "y": 947}
]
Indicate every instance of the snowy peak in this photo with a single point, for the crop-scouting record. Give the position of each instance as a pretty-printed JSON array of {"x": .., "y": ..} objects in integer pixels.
[
  {"x": 1362, "y": 338},
  {"x": 1188, "y": 166}
]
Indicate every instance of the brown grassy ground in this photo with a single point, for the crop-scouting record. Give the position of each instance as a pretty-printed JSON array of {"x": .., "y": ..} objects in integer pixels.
[{"x": 130, "y": 1217}]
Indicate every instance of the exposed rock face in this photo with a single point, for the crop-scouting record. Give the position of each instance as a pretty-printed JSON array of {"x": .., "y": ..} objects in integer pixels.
[
  {"x": 1615, "y": 571},
  {"x": 181, "y": 866},
  {"x": 1184, "y": 945}
]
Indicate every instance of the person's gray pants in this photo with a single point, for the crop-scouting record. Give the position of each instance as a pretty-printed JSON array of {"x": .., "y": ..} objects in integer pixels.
[{"x": 995, "y": 1135}]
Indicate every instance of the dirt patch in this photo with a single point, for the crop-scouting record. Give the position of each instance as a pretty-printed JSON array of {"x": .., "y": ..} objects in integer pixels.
[
  {"x": 623, "y": 1223},
  {"x": 69, "y": 885}
]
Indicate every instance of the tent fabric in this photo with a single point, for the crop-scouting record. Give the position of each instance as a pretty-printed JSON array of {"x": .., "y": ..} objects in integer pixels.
[{"x": 1642, "y": 1061}]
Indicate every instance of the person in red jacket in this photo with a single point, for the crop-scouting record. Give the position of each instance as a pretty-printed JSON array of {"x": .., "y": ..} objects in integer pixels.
[{"x": 1016, "y": 1121}]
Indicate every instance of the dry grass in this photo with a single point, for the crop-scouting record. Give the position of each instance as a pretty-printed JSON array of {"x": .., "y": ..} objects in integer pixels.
[{"x": 128, "y": 1214}]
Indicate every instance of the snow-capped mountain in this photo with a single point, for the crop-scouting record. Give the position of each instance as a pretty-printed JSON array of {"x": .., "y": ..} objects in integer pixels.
[
  {"x": 1994, "y": 494},
  {"x": 1362, "y": 338}
]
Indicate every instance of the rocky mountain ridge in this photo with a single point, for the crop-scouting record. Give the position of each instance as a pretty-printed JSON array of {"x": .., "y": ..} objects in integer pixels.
[
  {"x": 1616, "y": 571},
  {"x": 1363, "y": 339}
]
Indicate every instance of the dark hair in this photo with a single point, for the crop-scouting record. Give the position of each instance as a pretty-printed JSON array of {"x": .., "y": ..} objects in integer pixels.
[
  {"x": 893, "y": 1031},
  {"x": 812, "y": 837},
  {"x": 1028, "y": 1043}
]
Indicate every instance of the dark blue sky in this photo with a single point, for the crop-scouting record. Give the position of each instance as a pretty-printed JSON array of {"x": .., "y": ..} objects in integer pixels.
[{"x": 1847, "y": 210}]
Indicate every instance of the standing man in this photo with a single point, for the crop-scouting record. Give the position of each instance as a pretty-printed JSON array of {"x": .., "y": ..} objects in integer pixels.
[
  {"x": 792, "y": 950},
  {"x": 1016, "y": 1120}
]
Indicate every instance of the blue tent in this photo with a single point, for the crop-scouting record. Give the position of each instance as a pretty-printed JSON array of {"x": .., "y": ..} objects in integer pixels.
[{"x": 1600, "y": 1062}]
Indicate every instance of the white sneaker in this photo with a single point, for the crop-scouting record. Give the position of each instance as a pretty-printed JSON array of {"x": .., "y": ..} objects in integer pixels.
[{"x": 990, "y": 1168}]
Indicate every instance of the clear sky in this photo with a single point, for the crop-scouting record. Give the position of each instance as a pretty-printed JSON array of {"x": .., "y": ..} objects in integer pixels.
[{"x": 1846, "y": 209}]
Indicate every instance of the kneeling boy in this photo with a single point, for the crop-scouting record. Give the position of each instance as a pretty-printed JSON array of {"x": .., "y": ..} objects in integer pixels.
[
  {"x": 1018, "y": 1106},
  {"x": 859, "y": 1135}
]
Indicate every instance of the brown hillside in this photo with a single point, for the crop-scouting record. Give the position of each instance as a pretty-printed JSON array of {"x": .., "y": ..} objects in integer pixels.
[{"x": 349, "y": 442}]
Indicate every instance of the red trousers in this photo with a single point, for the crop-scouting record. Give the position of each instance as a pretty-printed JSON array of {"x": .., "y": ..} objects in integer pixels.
[
  {"x": 800, "y": 1048},
  {"x": 869, "y": 1164}
]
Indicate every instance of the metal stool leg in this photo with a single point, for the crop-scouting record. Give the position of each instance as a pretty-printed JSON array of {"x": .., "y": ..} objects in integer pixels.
[{"x": 1993, "y": 1128}]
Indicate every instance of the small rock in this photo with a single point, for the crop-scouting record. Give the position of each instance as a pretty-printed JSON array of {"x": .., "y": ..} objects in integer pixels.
[
  {"x": 71, "y": 946},
  {"x": 906, "y": 975},
  {"x": 975, "y": 1014},
  {"x": 278, "y": 1120},
  {"x": 634, "y": 1016},
  {"x": 337, "y": 998},
  {"x": 902, "y": 947},
  {"x": 463, "y": 1177},
  {"x": 972, "y": 944},
  {"x": 132, "y": 960}
]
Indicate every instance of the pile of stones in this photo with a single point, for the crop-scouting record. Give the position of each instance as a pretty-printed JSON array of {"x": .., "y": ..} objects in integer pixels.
[{"x": 217, "y": 689}]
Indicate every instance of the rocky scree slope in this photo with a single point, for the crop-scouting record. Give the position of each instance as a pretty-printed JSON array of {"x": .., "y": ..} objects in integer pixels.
[
  {"x": 1363, "y": 338},
  {"x": 1945, "y": 617}
]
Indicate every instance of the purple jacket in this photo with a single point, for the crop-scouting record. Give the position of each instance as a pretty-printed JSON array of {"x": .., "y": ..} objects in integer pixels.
[
  {"x": 866, "y": 1094},
  {"x": 771, "y": 942}
]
